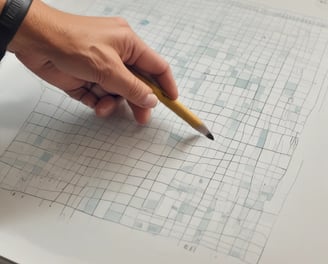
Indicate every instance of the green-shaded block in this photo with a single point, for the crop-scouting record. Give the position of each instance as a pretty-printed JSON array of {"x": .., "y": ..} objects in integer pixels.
[{"x": 241, "y": 83}]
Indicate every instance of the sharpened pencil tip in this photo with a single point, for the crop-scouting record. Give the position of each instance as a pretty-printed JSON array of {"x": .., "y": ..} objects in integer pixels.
[
  {"x": 210, "y": 136},
  {"x": 204, "y": 130}
]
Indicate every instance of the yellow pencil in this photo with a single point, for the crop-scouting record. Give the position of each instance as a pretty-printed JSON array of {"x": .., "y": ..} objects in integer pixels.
[{"x": 176, "y": 106}]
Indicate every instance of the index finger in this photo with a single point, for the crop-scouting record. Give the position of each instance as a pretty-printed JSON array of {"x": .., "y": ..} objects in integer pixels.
[{"x": 152, "y": 63}]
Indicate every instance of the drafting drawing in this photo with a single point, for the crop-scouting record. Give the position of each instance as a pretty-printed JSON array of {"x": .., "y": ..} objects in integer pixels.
[{"x": 253, "y": 75}]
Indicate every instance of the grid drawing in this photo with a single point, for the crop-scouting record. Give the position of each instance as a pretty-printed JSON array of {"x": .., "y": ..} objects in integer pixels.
[{"x": 253, "y": 74}]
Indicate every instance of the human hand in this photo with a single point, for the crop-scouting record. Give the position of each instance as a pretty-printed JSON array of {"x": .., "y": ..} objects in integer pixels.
[{"x": 87, "y": 57}]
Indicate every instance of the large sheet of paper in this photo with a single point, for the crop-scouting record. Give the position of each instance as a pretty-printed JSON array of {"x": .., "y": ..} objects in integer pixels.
[{"x": 254, "y": 75}]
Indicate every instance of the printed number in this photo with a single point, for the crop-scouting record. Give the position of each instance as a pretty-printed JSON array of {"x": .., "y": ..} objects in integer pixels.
[{"x": 190, "y": 248}]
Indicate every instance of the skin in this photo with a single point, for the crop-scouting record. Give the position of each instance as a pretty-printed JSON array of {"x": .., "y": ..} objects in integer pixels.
[{"x": 87, "y": 57}]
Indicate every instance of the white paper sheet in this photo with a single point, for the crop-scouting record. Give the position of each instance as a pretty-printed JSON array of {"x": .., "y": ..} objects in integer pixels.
[{"x": 255, "y": 76}]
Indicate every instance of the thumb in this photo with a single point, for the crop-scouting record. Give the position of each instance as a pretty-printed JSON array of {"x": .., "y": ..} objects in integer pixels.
[{"x": 133, "y": 89}]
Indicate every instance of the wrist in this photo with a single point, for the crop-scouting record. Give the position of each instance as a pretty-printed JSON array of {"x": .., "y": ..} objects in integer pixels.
[
  {"x": 37, "y": 31},
  {"x": 11, "y": 17},
  {"x": 26, "y": 32}
]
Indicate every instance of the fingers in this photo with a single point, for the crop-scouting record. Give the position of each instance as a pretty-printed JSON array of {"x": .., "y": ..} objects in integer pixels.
[
  {"x": 167, "y": 82},
  {"x": 147, "y": 60},
  {"x": 84, "y": 95},
  {"x": 141, "y": 115},
  {"x": 107, "y": 105},
  {"x": 124, "y": 83},
  {"x": 95, "y": 97},
  {"x": 137, "y": 54},
  {"x": 89, "y": 94}
]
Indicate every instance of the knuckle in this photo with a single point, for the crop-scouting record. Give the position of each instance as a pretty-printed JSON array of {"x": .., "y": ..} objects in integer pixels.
[
  {"x": 99, "y": 77},
  {"x": 165, "y": 66},
  {"x": 103, "y": 68},
  {"x": 121, "y": 22},
  {"x": 135, "y": 90}
]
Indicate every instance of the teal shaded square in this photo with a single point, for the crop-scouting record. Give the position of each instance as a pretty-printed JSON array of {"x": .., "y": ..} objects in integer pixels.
[
  {"x": 144, "y": 22},
  {"x": 186, "y": 208},
  {"x": 241, "y": 83},
  {"x": 46, "y": 156},
  {"x": 151, "y": 204},
  {"x": 262, "y": 138},
  {"x": 38, "y": 141},
  {"x": 290, "y": 89},
  {"x": 155, "y": 229},
  {"x": 98, "y": 193},
  {"x": 91, "y": 205},
  {"x": 36, "y": 170},
  {"x": 113, "y": 216},
  {"x": 211, "y": 52}
]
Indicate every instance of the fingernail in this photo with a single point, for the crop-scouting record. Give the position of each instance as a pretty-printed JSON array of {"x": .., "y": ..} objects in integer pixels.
[{"x": 150, "y": 101}]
